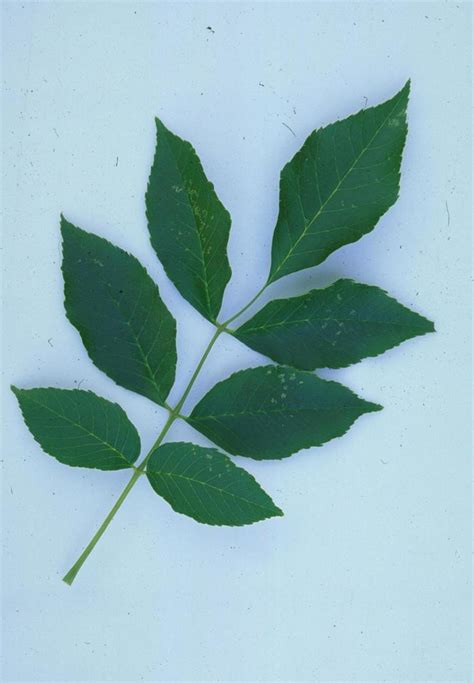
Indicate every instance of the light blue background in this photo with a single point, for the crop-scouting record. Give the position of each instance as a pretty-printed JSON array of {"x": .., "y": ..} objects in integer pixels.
[{"x": 367, "y": 577}]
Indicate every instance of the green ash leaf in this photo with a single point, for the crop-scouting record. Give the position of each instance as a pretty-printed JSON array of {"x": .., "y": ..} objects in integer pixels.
[
  {"x": 116, "y": 307},
  {"x": 189, "y": 227},
  {"x": 79, "y": 428},
  {"x": 272, "y": 411},
  {"x": 204, "y": 484},
  {"x": 335, "y": 189},
  {"x": 332, "y": 327}
]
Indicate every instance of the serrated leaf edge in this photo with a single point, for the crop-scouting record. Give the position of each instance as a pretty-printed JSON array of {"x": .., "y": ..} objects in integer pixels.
[
  {"x": 271, "y": 277},
  {"x": 421, "y": 333},
  {"x": 370, "y": 406},
  {"x": 211, "y": 316},
  {"x": 78, "y": 328},
  {"x": 277, "y": 512},
  {"x": 16, "y": 390}
]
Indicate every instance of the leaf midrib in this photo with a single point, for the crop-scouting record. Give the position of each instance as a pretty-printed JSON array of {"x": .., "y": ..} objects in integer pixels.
[
  {"x": 335, "y": 320},
  {"x": 272, "y": 411},
  {"x": 136, "y": 339},
  {"x": 77, "y": 424},
  {"x": 206, "y": 485},
  {"x": 201, "y": 247}
]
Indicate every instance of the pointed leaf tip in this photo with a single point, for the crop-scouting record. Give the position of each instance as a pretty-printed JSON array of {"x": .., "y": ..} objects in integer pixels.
[
  {"x": 69, "y": 230},
  {"x": 63, "y": 222}
]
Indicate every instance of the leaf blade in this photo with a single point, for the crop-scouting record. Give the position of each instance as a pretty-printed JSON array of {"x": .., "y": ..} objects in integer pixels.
[
  {"x": 270, "y": 412},
  {"x": 327, "y": 190},
  {"x": 127, "y": 330},
  {"x": 332, "y": 327},
  {"x": 189, "y": 226},
  {"x": 79, "y": 428},
  {"x": 206, "y": 485}
]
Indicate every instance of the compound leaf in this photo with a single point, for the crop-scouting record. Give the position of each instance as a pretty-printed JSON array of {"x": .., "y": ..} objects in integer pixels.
[
  {"x": 189, "y": 227},
  {"x": 332, "y": 327},
  {"x": 206, "y": 485},
  {"x": 79, "y": 428},
  {"x": 112, "y": 301},
  {"x": 272, "y": 411},
  {"x": 338, "y": 185}
]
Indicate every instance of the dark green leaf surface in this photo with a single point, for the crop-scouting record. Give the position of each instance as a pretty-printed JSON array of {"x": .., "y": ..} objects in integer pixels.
[
  {"x": 332, "y": 327},
  {"x": 206, "y": 485},
  {"x": 338, "y": 185},
  {"x": 79, "y": 428},
  {"x": 273, "y": 411},
  {"x": 115, "y": 305},
  {"x": 189, "y": 227}
]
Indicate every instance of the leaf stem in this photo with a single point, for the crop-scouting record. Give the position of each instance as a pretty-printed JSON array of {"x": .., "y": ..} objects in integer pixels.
[
  {"x": 217, "y": 333},
  {"x": 174, "y": 413},
  {"x": 71, "y": 575},
  {"x": 242, "y": 310}
]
